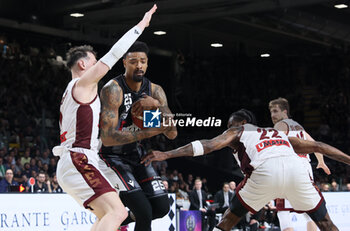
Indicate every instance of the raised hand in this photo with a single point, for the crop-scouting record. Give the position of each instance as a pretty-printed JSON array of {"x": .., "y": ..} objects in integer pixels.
[
  {"x": 324, "y": 167},
  {"x": 147, "y": 18}
]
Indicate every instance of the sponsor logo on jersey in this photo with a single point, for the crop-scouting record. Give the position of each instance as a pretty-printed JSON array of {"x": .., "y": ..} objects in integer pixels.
[
  {"x": 269, "y": 143},
  {"x": 127, "y": 104},
  {"x": 130, "y": 182}
]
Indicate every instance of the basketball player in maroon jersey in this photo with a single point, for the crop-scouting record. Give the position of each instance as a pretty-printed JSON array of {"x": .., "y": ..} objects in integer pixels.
[
  {"x": 78, "y": 168},
  {"x": 280, "y": 116},
  {"x": 258, "y": 149}
]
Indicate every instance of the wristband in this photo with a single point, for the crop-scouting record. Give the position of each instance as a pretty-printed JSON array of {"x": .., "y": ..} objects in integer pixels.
[{"x": 197, "y": 148}]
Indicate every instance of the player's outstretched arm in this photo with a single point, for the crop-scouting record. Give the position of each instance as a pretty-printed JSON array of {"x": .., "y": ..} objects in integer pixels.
[
  {"x": 319, "y": 156},
  {"x": 111, "y": 99},
  {"x": 306, "y": 146},
  {"x": 196, "y": 148},
  {"x": 95, "y": 73}
]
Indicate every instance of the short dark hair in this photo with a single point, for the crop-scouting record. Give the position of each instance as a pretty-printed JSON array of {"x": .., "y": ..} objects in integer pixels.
[
  {"x": 76, "y": 53},
  {"x": 138, "y": 46},
  {"x": 243, "y": 114},
  {"x": 282, "y": 103}
]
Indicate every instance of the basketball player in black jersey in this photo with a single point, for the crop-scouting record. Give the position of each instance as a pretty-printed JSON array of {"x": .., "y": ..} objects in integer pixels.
[{"x": 123, "y": 100}]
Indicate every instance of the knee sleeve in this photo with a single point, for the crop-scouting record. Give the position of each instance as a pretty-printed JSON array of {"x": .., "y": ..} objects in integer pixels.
[
  {"x": 160, "y": 206},
  {"x": 237, "y": 208},
  {"x": 320, "y": 213},
  {"x": 139, "y": 205}
]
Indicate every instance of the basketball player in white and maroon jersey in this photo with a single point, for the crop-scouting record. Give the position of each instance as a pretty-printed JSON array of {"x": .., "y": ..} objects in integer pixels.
[
  {"x": 77, "y": 170},
  {"x": 280, "y": 116},
  {"x": 258, "y": 149}
]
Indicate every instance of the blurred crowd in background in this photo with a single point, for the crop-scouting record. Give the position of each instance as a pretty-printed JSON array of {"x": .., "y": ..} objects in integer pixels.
[{"x": 33, "y": 77}]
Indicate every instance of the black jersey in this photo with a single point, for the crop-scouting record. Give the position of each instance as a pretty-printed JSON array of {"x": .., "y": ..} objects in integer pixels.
[{"x": 132, "y": 151}]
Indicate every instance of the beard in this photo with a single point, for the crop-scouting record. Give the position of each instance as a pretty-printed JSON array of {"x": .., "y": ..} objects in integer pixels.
[{"x": 137, "y": 78}]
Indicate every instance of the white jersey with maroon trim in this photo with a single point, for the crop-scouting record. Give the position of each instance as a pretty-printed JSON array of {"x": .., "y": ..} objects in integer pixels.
[
  {"x": 260, "y": 144},
  {"x": 79, "y": 121},
  {"x": 296, "y": 130}
]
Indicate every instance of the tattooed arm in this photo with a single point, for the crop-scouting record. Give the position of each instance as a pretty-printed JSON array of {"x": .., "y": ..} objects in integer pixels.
[
  {"x": 159, "y": 94},
  {"x": 224, "y": 140},
  {"x": 306, "y": 146},
  {"x": 111, "y": 100}
]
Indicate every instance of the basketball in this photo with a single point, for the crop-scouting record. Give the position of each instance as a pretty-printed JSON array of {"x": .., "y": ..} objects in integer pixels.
[{"x": 137, "y": 120}]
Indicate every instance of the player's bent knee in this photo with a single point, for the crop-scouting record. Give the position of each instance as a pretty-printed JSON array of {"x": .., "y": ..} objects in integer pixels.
[
  {"x": 326, "y": 224},
  {"x": 322, "y": 219},
  {"x": 143, "y": 214},
  {"x": 237, "y": 207},
  {"x": 121, "y": 212},
  {"x": 161, "y": 212},
  {"x": 120, "y": 215},
  {"x": 108, "y": 203}
]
